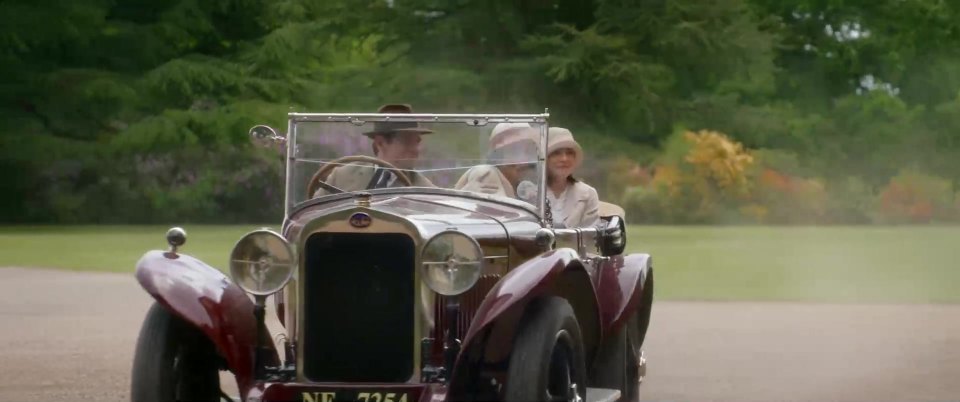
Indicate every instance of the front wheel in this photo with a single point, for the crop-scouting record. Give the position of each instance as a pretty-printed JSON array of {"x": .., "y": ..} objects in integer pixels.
[
  {"x": 620, "y": 363},
  {"x": 547, "y": 363},
  {"x": 173, "y": 361}
]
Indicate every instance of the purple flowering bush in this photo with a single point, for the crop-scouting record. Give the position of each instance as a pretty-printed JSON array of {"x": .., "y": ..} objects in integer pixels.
[{"x": 225, "y": 185}]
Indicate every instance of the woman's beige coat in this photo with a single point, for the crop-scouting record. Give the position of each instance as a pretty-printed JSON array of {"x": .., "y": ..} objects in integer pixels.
[{"x": 582, "y": 206}]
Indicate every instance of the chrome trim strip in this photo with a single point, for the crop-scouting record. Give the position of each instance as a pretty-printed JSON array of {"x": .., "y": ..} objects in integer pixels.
[
  {"x": 542, "y": 159},
  {"x": 421, "y": 117},
  {"x": 290, "y": 158}
]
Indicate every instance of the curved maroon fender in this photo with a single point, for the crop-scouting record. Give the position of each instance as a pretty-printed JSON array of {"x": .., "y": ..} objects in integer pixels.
[
  {"x": 527, "y": 279},
  {"x": 501, "y": 309},
  {"x": 206, "y": 298},
  {"x": 620, "y": 288}
]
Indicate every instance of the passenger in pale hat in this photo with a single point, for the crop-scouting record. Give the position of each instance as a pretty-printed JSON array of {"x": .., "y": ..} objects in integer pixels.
[
  {"x": 507, "y": 133},
  {"x": 512, "y": 155},
  {"x": 573, "y": 203}
]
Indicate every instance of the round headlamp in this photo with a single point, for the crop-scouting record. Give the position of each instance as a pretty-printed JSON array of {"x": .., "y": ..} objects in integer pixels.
[
  {"x": 262, "y": 262},
  {"x": 451, "y": 263}
]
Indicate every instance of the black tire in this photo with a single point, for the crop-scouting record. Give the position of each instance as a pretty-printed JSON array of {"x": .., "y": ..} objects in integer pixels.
[
  {"x": 618, "y": 362},
  {"x": 547, "y": 355},
  {"x": 173, "y": 361}
]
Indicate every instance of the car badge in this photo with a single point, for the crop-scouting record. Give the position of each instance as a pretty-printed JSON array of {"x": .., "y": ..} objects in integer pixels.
[{"x": 360, "y": 220}]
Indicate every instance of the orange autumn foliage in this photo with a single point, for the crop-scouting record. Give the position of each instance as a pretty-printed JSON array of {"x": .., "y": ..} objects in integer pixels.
[
  {"x": 706, "y": 177},
  {"x": 775, "y": 180},
  {"x": 704, "y": 181},
  {"x": 667, "y": 178},
  {"x": 914, "y": 197},
  {"x": 716, "y": 157},
  {"x": 789, "y": 199}
]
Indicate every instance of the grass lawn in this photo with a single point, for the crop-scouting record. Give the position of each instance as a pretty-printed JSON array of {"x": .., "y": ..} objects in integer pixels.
[
  {"x": 110, "y": 248},
  {"x": 831, "y": 264}
]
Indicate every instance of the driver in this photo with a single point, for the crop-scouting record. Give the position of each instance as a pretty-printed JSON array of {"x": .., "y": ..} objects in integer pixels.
[
  {"x": 397, "y": 143},
  {"x": 512, "y": 146}
]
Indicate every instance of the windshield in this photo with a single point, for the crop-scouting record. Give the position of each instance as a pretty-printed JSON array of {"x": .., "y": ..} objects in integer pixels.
[{"x": 494, "y": 156}]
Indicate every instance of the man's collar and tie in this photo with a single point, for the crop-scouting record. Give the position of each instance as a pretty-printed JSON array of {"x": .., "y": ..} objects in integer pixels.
[{"x": 382, "y": 178}]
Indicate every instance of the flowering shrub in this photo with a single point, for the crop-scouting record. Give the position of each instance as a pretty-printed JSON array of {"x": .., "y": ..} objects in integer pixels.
[
  {"x": 786, "y": 199},
  {"x": 225, "y": 185},
  {"x": 620, "y": 174},
  {"x": 719, "y": 160},
  {"x": 915, "y": 197},
  {"x": 702, "y": 178},
  {"x": 705, "y": 177},
  {"x": 670, "y": 197}
]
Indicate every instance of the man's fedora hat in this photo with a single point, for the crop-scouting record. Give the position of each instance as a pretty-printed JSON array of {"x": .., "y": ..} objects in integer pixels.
[{"x": 387, "y": 127}]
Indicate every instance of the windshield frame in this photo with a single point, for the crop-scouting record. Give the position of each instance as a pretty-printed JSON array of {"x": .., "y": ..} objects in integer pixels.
[{"x": 478, "y": 120}]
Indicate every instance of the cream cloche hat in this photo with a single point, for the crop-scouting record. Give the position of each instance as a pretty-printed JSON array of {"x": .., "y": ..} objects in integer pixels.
[{"x": 560, "y": 138}]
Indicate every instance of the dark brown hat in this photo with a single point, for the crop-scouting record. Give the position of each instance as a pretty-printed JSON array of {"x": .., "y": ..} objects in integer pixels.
[{"x": 386, "y": 127}]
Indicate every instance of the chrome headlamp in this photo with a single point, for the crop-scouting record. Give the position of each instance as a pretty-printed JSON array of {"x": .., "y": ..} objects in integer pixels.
[
  {"x": 451, "y": 263},
  {"x": 262, "y": 262}
]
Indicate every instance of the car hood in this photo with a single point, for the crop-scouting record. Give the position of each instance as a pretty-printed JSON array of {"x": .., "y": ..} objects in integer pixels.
[{"x": 481, "y": 217}]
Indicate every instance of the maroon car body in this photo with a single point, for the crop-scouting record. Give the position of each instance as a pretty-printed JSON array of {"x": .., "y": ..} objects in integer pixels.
[{"x": 361, "y": 325}]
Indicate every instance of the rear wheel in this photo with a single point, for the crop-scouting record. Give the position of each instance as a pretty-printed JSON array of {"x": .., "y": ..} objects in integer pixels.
[
  {"x": 173, "y": 361},
  {"x": 547, "y": 363}
]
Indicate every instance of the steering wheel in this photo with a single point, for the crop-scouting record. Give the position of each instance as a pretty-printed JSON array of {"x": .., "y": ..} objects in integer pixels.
[{"x": 319, "y": 179}]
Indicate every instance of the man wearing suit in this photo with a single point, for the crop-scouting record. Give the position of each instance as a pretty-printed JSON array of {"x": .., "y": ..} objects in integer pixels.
[{"x": 397, "y": 143}]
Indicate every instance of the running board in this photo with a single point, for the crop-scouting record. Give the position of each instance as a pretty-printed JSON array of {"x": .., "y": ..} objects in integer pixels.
[{"x": 603, "y": 395}]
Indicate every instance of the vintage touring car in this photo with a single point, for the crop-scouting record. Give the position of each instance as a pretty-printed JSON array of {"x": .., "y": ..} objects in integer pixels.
[{"x": 397, "y": 281}]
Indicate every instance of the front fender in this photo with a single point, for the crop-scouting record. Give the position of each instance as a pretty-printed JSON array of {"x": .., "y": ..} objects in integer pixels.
[
  {"x": 558, "y": 272},
  {"x": 204, "y": 297},
  {"x": 531, "y": 277},
  {"x": 625, "y": 286}
]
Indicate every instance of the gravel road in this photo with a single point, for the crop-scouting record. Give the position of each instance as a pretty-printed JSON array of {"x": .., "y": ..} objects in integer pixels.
[{"x": 69, "y": 336}]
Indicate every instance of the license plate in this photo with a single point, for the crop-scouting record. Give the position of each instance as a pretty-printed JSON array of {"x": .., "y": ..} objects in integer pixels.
[{"x": 355, "y": 396}]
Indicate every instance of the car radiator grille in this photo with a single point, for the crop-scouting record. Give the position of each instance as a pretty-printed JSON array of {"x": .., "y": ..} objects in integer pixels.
[
  {"x": 358, "y": 307},
  {"x": 469, "y": 303}
]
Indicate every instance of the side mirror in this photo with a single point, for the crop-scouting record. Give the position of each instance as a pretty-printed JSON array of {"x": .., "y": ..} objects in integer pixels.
[
  {"x": 267, "y": 137},
  {"x": 613, "y": 236}
]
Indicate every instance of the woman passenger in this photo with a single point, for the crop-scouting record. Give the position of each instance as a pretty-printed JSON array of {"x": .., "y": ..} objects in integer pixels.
[{"x": 573, "y": 203}]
